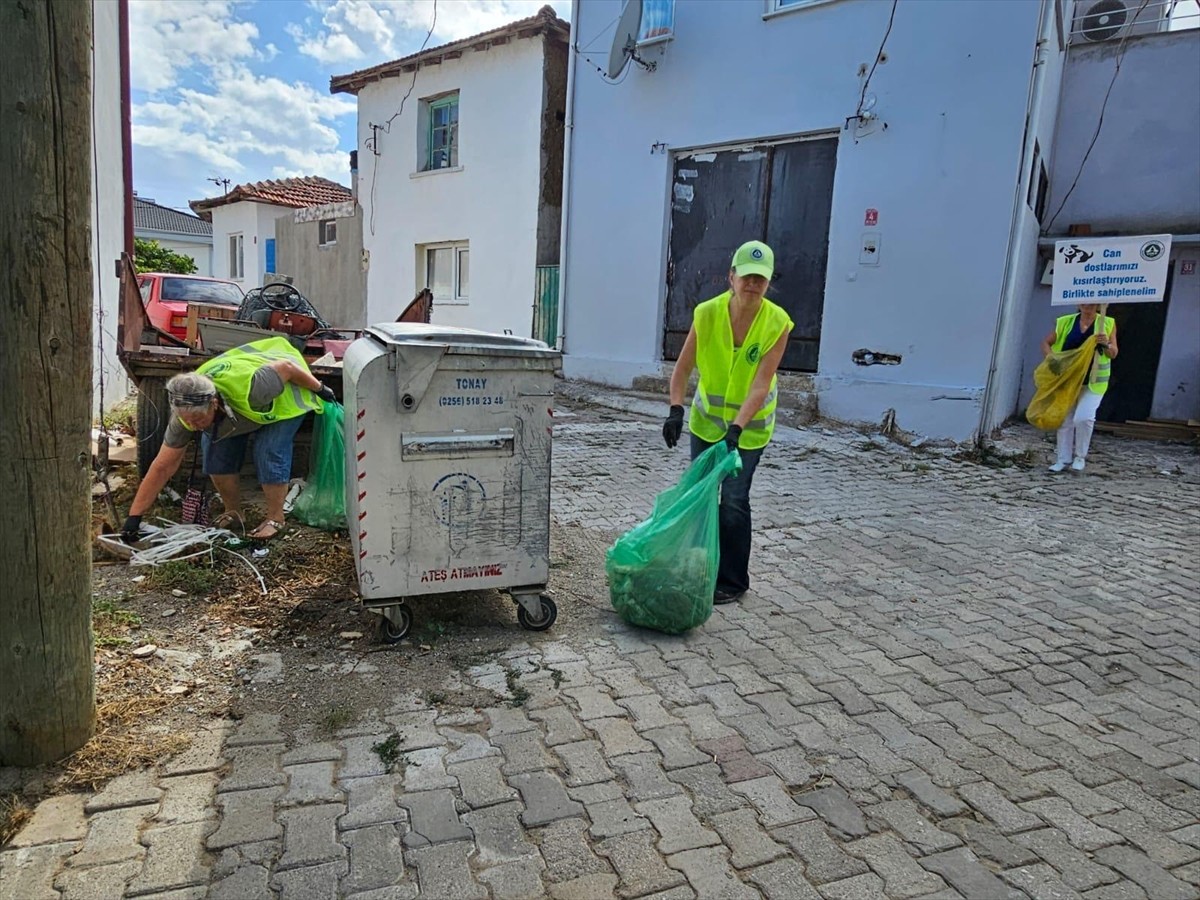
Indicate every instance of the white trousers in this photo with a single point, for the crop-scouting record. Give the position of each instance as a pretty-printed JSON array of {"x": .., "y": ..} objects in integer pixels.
[{"x": 1075, "y": 436}]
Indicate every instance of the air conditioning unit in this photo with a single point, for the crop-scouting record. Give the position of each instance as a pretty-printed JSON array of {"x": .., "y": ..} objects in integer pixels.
[{"x": 1096, "y": 21}]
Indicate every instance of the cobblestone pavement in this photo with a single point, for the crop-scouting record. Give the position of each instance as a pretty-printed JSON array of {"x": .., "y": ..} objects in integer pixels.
[{"x": 949, "y": 681}]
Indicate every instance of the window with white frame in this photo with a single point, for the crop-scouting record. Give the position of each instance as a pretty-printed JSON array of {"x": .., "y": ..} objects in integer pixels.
[
  {"x": 774, "y": 6},
  {"x": 439, "y": 132},
  {"x": 237, "y": 258},
  {"x": 327, "y": 232},
  {"x": 658, "y": 21},
  {"x": 448, "y": 272}
]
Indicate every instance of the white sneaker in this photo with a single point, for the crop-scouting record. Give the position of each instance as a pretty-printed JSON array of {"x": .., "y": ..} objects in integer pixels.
[
  {"x": 1077, "y": 465},
  {"x": 1058, "y": 467}
]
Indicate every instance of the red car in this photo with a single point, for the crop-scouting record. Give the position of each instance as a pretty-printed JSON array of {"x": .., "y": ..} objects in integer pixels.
[{"x": 166, "y": 297}]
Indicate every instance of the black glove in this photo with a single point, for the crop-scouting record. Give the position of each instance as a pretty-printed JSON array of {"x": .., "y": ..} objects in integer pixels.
[
  {"x": 130, "y": 531},
  {"x": 325, "y": 392},
  {"x": 732, "y": 436},
  {"x": 673, "y": 427}
]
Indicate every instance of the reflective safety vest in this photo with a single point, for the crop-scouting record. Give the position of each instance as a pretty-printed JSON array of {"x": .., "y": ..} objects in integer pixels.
[
  {"x": 233, "y": 371},
  {"x": 1101, "y": 365},
  {"x": 726, "y": 373}
]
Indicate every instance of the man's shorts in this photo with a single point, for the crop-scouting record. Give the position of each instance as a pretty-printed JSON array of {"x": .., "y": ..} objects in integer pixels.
[{"x": 272, "y": 451}]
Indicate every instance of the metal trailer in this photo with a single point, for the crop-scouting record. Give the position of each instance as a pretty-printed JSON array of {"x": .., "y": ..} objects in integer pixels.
[{"x": 448, "y": 446}]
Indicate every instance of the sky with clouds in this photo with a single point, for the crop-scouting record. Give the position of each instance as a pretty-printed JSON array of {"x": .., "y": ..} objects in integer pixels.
[{"x": 239, "y": 89}]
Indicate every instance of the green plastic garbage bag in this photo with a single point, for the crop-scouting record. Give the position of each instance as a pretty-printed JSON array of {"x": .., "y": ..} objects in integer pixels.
[
  {"x": 662, "y": 573},
  {"x": 322, "y": 504}
]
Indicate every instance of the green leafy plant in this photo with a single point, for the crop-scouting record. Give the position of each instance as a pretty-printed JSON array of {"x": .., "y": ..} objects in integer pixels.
[
  {"x": 388, "y": 751},
  {"x": 150, "y": 257},
  {"x": 184, "y": 575}
]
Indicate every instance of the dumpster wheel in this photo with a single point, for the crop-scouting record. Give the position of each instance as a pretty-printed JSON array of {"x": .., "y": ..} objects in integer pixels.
[
  {"x": 394, "y": 624},
  {"x": 548, "y": 614}
]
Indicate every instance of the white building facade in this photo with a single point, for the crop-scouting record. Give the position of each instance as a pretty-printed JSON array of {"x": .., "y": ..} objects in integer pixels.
[
  {"x": 460, "y": 184},
  {"x": 883, "y": 150},
  {"x": 178, "y": 232}
]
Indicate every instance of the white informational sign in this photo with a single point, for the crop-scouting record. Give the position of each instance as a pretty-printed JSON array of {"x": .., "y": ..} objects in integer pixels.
[{"x": 1111, "y": 270}]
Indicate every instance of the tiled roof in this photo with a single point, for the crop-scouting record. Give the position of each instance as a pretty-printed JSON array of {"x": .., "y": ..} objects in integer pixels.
[
  {"x": 294, "y": 192},
  {"x": 544, "y": 22},
  {"x": 149, "y": 216}
]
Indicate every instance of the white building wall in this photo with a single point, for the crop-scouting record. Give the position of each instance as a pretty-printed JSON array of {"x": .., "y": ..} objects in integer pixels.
[
  {"x": 108, "y": 203},
  {"x": 953, "y": 93},
  {"x": 200, "y": 252},
  {"x": 256, "y": 223},
  {"x": 492, "y": 202}
]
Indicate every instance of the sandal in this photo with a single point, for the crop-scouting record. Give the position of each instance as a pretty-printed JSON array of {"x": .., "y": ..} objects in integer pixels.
[
  {"x": 280, "y": 528},
  {"x": 227, "y": 519}
]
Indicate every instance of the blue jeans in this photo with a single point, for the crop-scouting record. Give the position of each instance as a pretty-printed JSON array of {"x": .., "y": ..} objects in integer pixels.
[
  {"x": 733, "y": 573},
  {"x": 272, "y": 451}
]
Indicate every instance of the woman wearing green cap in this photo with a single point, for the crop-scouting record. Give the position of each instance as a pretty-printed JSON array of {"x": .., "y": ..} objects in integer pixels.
[{"x": 736, "y": 341}]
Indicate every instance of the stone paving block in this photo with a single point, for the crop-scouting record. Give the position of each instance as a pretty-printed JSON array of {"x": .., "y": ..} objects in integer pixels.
[
  {"x": 310, "y": 783},
  {"x": 310, "y": 882},
  {"x": 748, "y": 842},
  {"x": 588, "y": 887},
  {"x": 27, "y": 873},
  {"x": 614, "y": 817},
  {"x": 1149, "y": 875},
  {"x": 710, "y": 875},
  {"x": 561, "y": 725},
  {"x": 644, "y": 777},
  {"x": 681, "y": 892},
  {"x": 566, "y": 851},
  {"x": 376, "y": 859},
  {"x": 823, "y": 859},
  {"x": 859, "y": 887},
  {"x": 965, "y": 873},
  {"x": 246, "y": 817},
  {"x": 930, "y": 795},
  {"x": 319, "y": 751},
  {"x": 725, "y": 700},
  {"x": 515, "y": 881},
  {"x": 371, "y": 801},
  {"x": 774, "y": 804},
  {"x": 710, "y": 795},
  {"x": 1081, "y": 832},
  {"x": 1187, "y": 772},
  {"x": 986, "y": 842},
  {"x": 675, "y": 822},
  {"x": 425, "y": 770},
  {"x": 481, "y": 782},
  {"x": 987, "y": 799},
  {"x": 310, "y": 836},
  {"x": 359, "y": 759},
  {"x": 594, "y": 703},
  {"x": 585, "y": 763},
  {"x": 433, "y": 819},
  {"x": 198, "y": 892},
  {"x": 1189, "y": 873},
  {"x": 444, "y": 871},
  {"x": 545, "y": 799},
  {"x": 175, "y": 859},
  {"x": 499, "y": 836},
  {"x": 113, "y": 836},
  {"x": 1040, "y": 882},
  {"x": 837, "y": 809},
  {"x": 639, "y": 865},
  {"x": 204, "y": 752},
  {"x": 187, "y": 798},
  {"x": 508, "y": 720},
  {"x": 1083, "y": 800},
  {"x": 524, "y": 752},
  {"x": 791, "y": 765},
  {"x": 734, "y": 758},
  {"x": 132, "y": 789},
  {"x": 903, "y": 817},
  {"x": 256, "y": 728},
  {"x": 1077, "y": 868},
  {"x": 760, "y": 735},
  {"x": 55, "y": 820},
  {"x": 252, "y": 767},
  {"x": 1121, "y": 890},
  {"x": 647, "y": 711},
  {"x": 624, "y": 681},
  {"x": 619, "y": 737},
  {"x": 468, "y": 746},
  {"x": 247, "y": 880},
  {"x": 96, "y": 883},
  {"x": 1162, "y": 848},
  {"x": 783, "y": 880},
  {"x": 902, "y": 878},
  {"x": 676, "y": 747},
  {"x": 701, "y": 722}
]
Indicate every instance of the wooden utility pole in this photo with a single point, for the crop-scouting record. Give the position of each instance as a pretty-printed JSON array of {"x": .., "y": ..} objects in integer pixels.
[{"x": 47, "y": 689}]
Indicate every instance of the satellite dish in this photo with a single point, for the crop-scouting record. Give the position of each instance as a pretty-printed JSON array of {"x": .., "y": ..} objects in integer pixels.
[{"x": 624, "y": 47}]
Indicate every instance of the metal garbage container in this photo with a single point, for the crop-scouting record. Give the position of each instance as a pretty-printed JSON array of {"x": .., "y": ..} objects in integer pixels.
[{"x": 448, "y": 437}]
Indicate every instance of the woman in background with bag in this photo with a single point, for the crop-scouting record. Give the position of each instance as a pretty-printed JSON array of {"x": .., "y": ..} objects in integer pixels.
[
  {"x": 1071, "y": 332},
  {"x": 736, "y": 341}
]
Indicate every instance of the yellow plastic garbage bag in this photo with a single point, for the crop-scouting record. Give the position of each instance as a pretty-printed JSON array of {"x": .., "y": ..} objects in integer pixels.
[{"x": 1058, "y": 379}]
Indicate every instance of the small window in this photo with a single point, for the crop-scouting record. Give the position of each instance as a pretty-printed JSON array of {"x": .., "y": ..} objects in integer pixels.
[
  {"x": 237, "y": 260},
  {"x": 327, "y": 232},
  {"x": 658, "y": 21},
  {"x": 774, "y": 6},
  {"x": 448, "y": 273},
  {"x": 442, "y": 136}
]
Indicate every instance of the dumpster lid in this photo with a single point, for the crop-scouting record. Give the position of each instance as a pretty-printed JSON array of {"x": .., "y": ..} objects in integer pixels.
[{"x": 469, "y": 339}]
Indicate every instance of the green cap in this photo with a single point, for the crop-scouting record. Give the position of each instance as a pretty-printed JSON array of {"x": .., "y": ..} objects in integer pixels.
[{"x": 754, "y": 258}]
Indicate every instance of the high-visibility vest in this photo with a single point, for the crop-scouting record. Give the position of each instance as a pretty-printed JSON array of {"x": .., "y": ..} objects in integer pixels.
[
  {"x": 726, "y": 375},
  {"x": 233, "y": 371},
  {"x": 1102, "y": 364}
]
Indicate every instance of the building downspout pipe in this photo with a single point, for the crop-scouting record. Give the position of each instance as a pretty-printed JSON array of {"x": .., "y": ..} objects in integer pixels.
[
  {"x": 568, "y": 140},
  {"x": 126, "y": 121},
  {"x": 1008, "y": 289}
]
